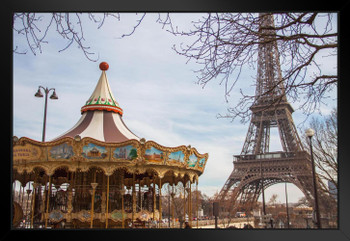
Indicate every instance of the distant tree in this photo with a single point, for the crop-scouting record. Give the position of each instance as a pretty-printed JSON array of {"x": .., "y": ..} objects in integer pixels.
[
  {"x": 303, "y": 201},
  {"x": 207, "y": 205},
  {"x": 325, "y": 148},
  {"x": 178, "y": 201},
  {"x": 273, "y": 199}
]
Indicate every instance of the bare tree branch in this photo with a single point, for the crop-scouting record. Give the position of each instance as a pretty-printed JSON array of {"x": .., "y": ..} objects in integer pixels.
[
  {"x": 228, "y": 42},
  {"x": 68, "y": 26},
  {"x": 224, "y": 45},
  {"x": 135, "y": 27}
]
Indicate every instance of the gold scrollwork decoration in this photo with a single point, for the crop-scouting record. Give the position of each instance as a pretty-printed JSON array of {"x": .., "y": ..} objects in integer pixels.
[{"x": 74, "y": 155}]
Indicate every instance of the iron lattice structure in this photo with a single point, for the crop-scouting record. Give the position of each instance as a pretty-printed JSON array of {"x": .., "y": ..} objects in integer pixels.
[{"x": 256, "y": 167}]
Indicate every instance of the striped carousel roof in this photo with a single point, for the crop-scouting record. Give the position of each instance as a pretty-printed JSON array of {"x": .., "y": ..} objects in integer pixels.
[{"x": 101, "y": 116}]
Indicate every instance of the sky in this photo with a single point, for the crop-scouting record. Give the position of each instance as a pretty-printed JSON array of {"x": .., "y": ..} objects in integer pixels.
[{"x": 154, "y": 86}]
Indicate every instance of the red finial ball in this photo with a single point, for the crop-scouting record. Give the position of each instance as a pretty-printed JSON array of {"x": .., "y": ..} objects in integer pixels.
[{"x": 104, "y": 66}]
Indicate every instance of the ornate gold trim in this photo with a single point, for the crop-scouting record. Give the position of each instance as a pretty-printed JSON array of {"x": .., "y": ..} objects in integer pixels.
[{"x": 45, "y": 159}]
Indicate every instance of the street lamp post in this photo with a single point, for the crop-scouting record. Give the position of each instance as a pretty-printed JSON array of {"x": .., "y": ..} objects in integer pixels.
[
  {"x": 53, "y": 97},
  {"x": 310, "y": 132},
  {"x": 263, "y": 194},
  {"x": 287, "y": 209}
]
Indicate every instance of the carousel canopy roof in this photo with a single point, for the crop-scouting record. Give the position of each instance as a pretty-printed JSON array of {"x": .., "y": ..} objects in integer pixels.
[
  {"x": 101, "y": 116},
  {"x": 102, "y": 97}
]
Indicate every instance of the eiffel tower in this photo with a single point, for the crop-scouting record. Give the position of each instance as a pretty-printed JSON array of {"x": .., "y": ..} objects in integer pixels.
[{"x": 256, "y": 168}]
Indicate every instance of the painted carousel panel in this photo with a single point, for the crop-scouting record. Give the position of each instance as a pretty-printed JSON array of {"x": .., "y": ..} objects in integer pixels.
[
  {"x": 201, "y": 162},
  {"x": 153, "y": 154},
  {"x": 63, "y": 151},
  {"x": 177, "y": 157},
  {"x": 192, "y": 160},
  {"x": 93, "y": 151},
  {"x": 128, "y": 152}
]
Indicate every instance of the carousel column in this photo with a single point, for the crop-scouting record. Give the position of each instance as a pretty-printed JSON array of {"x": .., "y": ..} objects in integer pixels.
[
  {"x": 173, "y": 206},
  {"x": 48, "y": 201},
  {"x": 140, "y": 196},
  {"x": 40, "y": 199},
  {"x": 69, "y": 207},
  {"x": 23, "y": 194},
  {"x": 83, "y": 190},
  {"x": 93, "y": 185},
  {"x": 160, "y": 202},
  {"x": 154, "y": 197},
  {"x": 197, "y": 194},
  {"x": 133, "y": 200},
  {"x": 122, "y": 193},
  {"x": 35, "y": 185},
  {"x": 29, "y": 191},
  {"x": 107, "y": 201},
  {"x": 92, "y": 192},
  {"x": 189, "y": 195},
  {"x": 184, "y": 218},
  {"x": 103, "y": 199},
  {"x": 42, "y": 208},
  {"x": 20, "y": 196},
  {"x": 70, "y": 200},
  {"x": 74, "y": 200}
]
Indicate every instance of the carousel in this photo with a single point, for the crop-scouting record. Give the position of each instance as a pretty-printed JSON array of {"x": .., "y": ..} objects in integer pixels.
[{"x": 99, "y": 174}]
